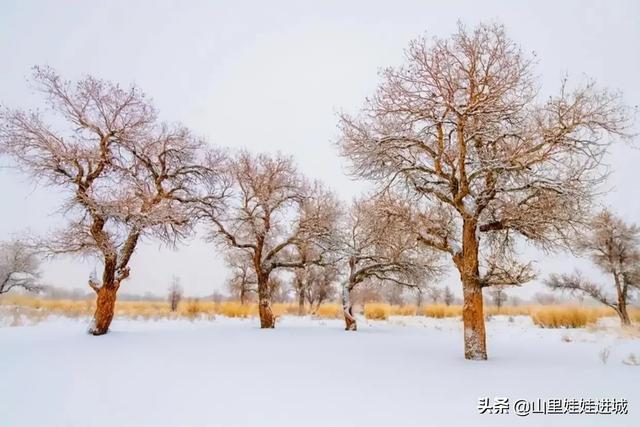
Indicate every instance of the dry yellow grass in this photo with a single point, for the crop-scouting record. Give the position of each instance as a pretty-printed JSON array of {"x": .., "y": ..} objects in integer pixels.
[
  {"x": 565, "y": 316},
  {"x": 440, "y": 310},
  {"x": 403, "y": 310},
  {"x": 35, "y": 309},
  {"x": 329, "y": 311},
  {"x": 518, "y": 310},
  {"x": 377, "y": 311},
  {"x": 235, "y": 309}
]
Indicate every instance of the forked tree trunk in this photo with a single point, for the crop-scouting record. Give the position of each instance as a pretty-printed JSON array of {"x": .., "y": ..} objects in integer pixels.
[
  {"x": 347, "y": 308},
  {"x": 475, "y": 341},
  {"x": 267, "y": 319}
]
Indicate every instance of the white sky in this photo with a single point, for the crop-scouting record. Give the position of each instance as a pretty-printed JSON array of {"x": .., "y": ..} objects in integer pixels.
[{"x": 271, "y": 76}]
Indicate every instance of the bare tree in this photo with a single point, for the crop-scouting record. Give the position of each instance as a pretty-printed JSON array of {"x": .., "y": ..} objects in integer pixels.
[
  {"x": 614, "y": 246},
  {"x": 19, "y": 267},
  {"x": 124, "y": 173},
  {"x": 313, "y": 283},
  {"x": 175, "y": 293},
  {"x": 498, "y": 296},
  {"x": 377, "y": 248},
  {"x": 278, "y": 289},
  {"x": 271, "y": 208},
  {"x": 322, "y": 285},
  {"x": 447, "y": 296},
  {"x": 459, "y": 130},
  {"x": 435, "y": 294},
  {"x": 243, "y": 281}
]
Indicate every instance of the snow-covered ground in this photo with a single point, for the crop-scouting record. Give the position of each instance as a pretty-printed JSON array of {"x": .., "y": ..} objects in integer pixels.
[{"x": 227, "y": 372}]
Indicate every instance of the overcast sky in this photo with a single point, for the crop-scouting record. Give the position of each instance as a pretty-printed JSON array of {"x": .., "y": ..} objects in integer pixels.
[{"x": 270, "y": 76}]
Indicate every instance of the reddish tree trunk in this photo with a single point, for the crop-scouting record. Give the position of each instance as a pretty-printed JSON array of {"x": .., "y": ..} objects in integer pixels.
[
  {"x": 106, "y": 297},
  {"x": 105, "y": 306},
  {"x": 475, "y": 344},
  {"x": 475, "y": 341},
  {"x": 267, "y": 319}
]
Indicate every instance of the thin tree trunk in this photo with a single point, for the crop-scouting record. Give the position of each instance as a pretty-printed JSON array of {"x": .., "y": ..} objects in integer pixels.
[
  {"x": 475, "y": 342},
  {"x": 300, "y": 303},
  {"x": 267, "y": 319},
  {"x": 347, "y": 308}
]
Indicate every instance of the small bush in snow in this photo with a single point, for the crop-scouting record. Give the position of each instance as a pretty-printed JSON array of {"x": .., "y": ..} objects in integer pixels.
[
  {"x": 329, "y": 311},
  {"x": 375, "y": 311},
  {"x": 193, "y": 309},
  {"x": 563, "y": 317}
]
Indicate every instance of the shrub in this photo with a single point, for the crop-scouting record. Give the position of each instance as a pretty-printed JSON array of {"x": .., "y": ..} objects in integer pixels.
[
  {"x": 440, "y": 311},
  {"x": 404, "y": 310},
  {"x": 563, "y": 316},
  {"x": 193, "y": 309},
  {"x": 235, "y": 309},
  {"x": 377, "y": 311},
  {"x": 329, "y": 311}
]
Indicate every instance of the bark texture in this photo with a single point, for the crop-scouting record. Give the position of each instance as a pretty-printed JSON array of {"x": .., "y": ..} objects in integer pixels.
[
  {"x": 622, "y": 312},
  {"x": 467, "y": 262},
  {"x": 105, "y": 307},
  {"x": 347, "y": 308},
  {"x": 475, "y": 342},
  {"x": 267, "y": 319}
]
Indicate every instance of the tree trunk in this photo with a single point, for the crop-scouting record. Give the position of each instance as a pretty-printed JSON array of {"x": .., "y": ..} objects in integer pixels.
[
  {"x": 347, "y": 308},
  {"x": 106, "y": 299},
  {"x": 267, "y": 320},
  {"x": 105, "y": 305},
  {"x": 621, "y": 309},
  {"x": 475, "y": 345},
  {"x": 301, "y": 303}
]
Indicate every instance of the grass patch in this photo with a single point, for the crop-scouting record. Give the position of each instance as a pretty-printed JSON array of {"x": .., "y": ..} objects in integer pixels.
[
  {"x": 440, "y": 311},
  {"x": 377, "y": 311},
  {"x": 564, "y": 316}
]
